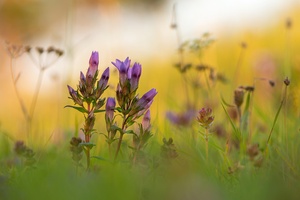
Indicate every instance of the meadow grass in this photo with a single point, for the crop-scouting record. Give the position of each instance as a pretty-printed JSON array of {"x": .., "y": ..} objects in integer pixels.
[{"x": 244, "y": 146}]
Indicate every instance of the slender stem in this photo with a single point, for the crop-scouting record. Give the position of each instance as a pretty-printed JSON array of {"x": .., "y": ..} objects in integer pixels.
[
  {"x": 238, "y": 64},
  {"x": 239, "y": 116},
  {"x": 135, "y": 156},
  {"x": 285, "y": 117},
  {"x": 206, "y": 143},
  {"x": 121, "y": 136},
  {"x": 23, "y": 107},
  {"x": 36, "y": 93},
  {"x": 87, "y": 152},
  {"x": 87, "y": 140},
  {"x": 119, "y": 145}
]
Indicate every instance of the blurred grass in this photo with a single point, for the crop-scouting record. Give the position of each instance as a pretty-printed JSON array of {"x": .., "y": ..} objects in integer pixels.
[{"x": 190, "y": 176}]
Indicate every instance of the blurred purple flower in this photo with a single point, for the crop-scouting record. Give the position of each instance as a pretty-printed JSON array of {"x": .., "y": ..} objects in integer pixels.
[{"x": 181, "y": 119}]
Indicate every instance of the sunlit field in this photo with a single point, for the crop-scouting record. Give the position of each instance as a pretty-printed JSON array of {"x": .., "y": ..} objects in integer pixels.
[{"x": 215, "y": 117}]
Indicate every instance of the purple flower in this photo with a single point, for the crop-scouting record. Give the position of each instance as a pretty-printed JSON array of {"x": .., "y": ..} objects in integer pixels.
[
  {"x": 74, "y": 96},
  {"x": 135, "y": 76},
  {"x": 94, "y": 61},
  {"x": 146, "y": 121},
  {"x": 123, "y": 70},
  {"x": 109, "y": 108}
]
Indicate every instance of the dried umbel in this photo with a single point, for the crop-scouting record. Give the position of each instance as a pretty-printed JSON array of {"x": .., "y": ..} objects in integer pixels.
[{"x": 205, "y": 117}]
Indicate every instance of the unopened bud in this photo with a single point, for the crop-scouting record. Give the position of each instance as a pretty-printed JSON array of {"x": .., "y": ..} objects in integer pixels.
[{"x": 238, "y": 97}]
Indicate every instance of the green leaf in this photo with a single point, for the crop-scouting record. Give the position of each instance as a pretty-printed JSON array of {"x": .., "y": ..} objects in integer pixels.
[
  {"x": 87, "y": 145},
  {"x": 99, "y": 158},
  {"x": 119, "y": 109},
  {"x": 225, "y": 103},
  {"x": 275, "y": 120},
  {"x": 80, "y": 109},
  {"x": 98, "y": 111},
  {"x": 246, "y": 113},
  {"x": 236, "y": 131},
  {"x": 116, "y": 128},
  {"x": 130, "y": 132}
]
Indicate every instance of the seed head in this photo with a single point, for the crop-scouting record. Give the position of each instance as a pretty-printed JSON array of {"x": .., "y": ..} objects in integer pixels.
[{"x": 205, "y": 117}]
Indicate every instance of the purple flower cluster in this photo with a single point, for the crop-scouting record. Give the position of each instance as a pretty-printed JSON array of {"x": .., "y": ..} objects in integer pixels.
[
  {"x": 126, "y": 89},
  {"x": 88, "y": 90}
]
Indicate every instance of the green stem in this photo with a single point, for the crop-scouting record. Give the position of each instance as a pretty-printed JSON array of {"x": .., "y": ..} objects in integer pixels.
[
  {"x": 36, "y": 94},
  {"x": 87, "y": 152},
  {"x": 121, "y": 136},
  {"x": 119, "y": 145},
  {"x": 206, "y": 143}
]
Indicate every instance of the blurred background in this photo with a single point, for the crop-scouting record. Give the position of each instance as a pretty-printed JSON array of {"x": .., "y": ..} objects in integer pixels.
[{"x": 139, "y": 29}]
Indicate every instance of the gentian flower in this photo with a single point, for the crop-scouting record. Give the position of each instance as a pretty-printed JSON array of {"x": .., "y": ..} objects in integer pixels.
[{"x": 123, "y": 70}]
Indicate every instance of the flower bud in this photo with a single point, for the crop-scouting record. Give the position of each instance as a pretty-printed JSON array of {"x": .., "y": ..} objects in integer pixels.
[
  {"x": 94, "y": 61},
  {"x": 110, "y": 106},
  {"x": 146, "y": 121},
  {"x": 82, "y": 85},
  {"x": 109, "y": 111},
  {"x": 74, "y": 95},
  {"x": 119, "y": 95},
  {"x": 135, "y": 77},
  {"x": 145, "y": 99},
  {"x": 238, "y": 97},
  {"x": 102, "y": 83}
]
